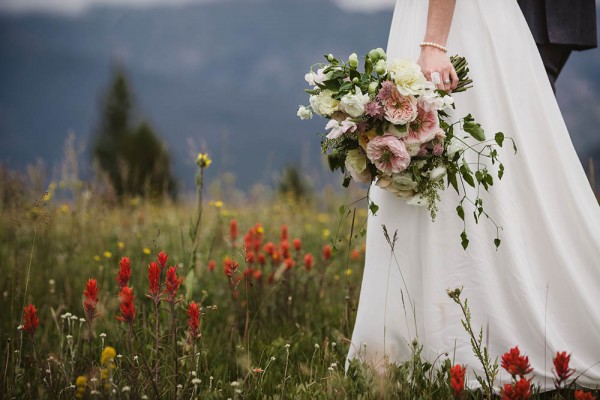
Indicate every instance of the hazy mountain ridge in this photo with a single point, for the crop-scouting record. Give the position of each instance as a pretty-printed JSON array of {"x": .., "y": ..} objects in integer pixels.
[{"x": 227, "y": 75}]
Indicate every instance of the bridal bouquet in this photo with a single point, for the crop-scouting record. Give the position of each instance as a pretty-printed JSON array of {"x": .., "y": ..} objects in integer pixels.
[{"x": 389, "y": 124}]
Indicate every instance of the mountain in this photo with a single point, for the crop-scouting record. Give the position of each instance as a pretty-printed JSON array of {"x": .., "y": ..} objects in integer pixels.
[{"x": 225, "y": 75}]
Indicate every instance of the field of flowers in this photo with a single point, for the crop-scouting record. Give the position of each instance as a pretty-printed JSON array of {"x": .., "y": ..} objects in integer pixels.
[{"x": 234, "y": 296}]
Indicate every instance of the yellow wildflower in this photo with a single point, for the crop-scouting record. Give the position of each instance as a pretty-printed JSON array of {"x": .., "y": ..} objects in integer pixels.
[
  {"x": 46, "y": 197},
  {"x": 97, "y": 257},
  {"x": 107, "y": 254},
  {"x": 80, "y": 383},
  {"x": 260, "y": 229},
  {"x": 348, "y": 272},
  {"x": 134, "y": 201},
  {"x": 120, "y": 245},
  {"x": 108, "y": 354},
  {"x": 64, "y": 208},
  {"x": 218, "y": 204},
  {"x": 203, "y": 160},
  {"x": 147, "y": 250},
  {"x": 326, "y": 233},
  {"x": 323, "y": 218}
]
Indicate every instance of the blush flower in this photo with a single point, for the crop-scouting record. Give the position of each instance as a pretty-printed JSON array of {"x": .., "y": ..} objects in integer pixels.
[
  {"x": 124, "y": 272},
  {"x": 457, "y": 379},
  {"x": 423, "y": 128},
  {"x": 516, "y": 364},
  {"x": 374, "y": 109},
  {"x": 388, "y": 153},
  {"x": 30, "y": 319}
]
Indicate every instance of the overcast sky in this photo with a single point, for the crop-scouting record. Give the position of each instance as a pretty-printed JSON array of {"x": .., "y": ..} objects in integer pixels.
[{"x": 78, "y": 6}]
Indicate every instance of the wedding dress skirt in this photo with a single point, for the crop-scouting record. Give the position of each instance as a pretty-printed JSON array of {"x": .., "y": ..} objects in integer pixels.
[{"x": 541, "y": 289}]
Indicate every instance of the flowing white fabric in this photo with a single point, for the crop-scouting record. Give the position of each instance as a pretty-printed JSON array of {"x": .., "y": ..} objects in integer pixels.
[{"x": 541, "y": 289}]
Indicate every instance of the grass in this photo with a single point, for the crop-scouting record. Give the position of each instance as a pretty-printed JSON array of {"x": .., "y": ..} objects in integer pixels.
[{"x": 279, "y": 333}]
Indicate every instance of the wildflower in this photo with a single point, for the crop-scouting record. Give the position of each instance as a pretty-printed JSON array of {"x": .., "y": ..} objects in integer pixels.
[
  {"x": 250, "y": 257},
  {"x": 355, "y": 255},
  {"x": 203, "y": 160},
  {"x": 96, "y": 257},
  {"x": 146, "y": 250},
  {"x": 457, "y": 379},
  {"x": 218, "y": 204},
  {"x": 297, "y": 243},
  {"x": 108, "y": 355},
  {"x": 581, "y": 395},
  {"x": 289, "y": 263},
  {"x": 248, "y": 272},
  {"x": 120, "y": 245},
  {"x": 285, "y": 249},
  {"x": 326, "y": 233},
  {"x": 162, "y": 259},
  {"x": 127, "y": 307},
  {"x": 258, "y": 370},
  {"x": 154, "y": 280},
  {"x": 230, "y": 267},
  {"x": 124, "y": 272},
  {"x": 80, "y": 383},
  {"x": 30, "y": 319},
  {"x": 261, "y": 259},
  {"x": 326, "y": 252},
  {"x": 516, "y": 364},
  {"x": 193, "y": 313},
  {"x": 309, "y": 261},
  {"x": 257, "y": 274},
  {"x": 269, "y": 248},
  {"x": 562, "y": 371},
  {"x": 196, "y": 381},
  {"x": 275, "y": 256},
  {"x": 284, "y": 233},
  {"x": 107, "y": 254},
  {"x": 211, "y": 265},
  {"x": 233, "y": 231},
  {"x": 521, "y": 390},
  {"x": 91, "y": 299},
  {"x": 172, "y": 282}
]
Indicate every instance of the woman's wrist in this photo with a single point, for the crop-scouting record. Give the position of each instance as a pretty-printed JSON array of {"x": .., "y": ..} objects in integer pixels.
[{"x": 430, "y": 45}]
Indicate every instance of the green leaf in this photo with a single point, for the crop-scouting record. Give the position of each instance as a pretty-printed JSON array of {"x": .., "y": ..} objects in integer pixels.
[
  {"x": 464, "y": 240},
  {"x": 500, "y": 171},
  {"x": 474, "y": 129},
  {"x": 479, "y": 176},
  {"x": 499, "y": 138},
  {"x": 461, "y": 212},
  {"x": 514, "y": 146},
  {"x": 374, "y": 208},
  {"x": 342, "y": 210},
  {"x": 346, "y": 181},
  {"x": 488, "y": 178},
  {"x": 497, "y": 242},
  {"x": 452, "y": 180},
  {"x": 467, "y": 176}
]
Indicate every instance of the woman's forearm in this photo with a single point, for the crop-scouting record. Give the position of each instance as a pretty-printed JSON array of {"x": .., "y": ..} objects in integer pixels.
[{"x": 439, "y": 19}]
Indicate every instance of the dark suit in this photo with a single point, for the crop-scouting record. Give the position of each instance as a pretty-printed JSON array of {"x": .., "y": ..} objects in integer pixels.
[{"x": 559, "y": 27}]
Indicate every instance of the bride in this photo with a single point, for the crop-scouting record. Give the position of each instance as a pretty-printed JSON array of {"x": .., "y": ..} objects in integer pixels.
[{"x": 541, "y": 289}]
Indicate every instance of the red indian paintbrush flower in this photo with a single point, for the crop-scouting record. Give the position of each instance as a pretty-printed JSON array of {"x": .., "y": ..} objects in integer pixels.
[
  {"x": 269, "y": 248},
  {"x": 309, "y": 261},
  {"x": 257, "y": 274},
  {"x": 193, "y": 313},
  {"x": 261, "y": 259},
  {"x": 521, "y": 390},
  {"x": 581, "y": 395},
  {"x": 250, "y": 257},
  {"x": 516, "y": 364},
  {"x": 297, "y": 243},
  {"x": 562, "y": 371},
  {"x": 162, "y": 259},
  {"x": 124, "y": 272},
  {"x": 126, "y": 306},
  {"x": 233, "y": 231},
  {"x": 154, "y": 280},
  {"x": 211, "y": 265},
  {"x": 457, "y": 379},
  {"x": 172, "y": 282},
  {"x": 30, "y": 319},
  {"x": 284, "y": 233},
  {"x": 289, "y": 263},
  {"x": 91, "y": 299},
  {"x": 230, "y": 267},
  {"x": 355, "y": 255},
  {"x": 326, "y": 252},
  {"x": 285, "y": 249}
]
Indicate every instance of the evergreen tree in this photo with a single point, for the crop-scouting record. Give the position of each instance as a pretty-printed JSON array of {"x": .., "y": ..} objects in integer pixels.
[{"x": 133, "y": 157}]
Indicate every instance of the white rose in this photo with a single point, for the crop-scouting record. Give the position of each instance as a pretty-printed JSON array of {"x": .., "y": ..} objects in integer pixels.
[
  {"x": 437, "y": 173},
  {"x": 356, "y": 164},
  {"x": 304, "y": 112},
  {"x": 408, "y": 77},
  {"x": 323, "y": 104},
  {"x": 354, "y": 104},
  {"x": 454, "y": 147}
]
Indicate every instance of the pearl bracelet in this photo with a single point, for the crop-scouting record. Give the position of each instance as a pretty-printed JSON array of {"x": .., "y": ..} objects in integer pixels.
[{"x": 437, "y": 46}]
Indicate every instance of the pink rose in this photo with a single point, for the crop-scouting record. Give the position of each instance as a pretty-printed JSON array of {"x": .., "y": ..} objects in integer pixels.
[
  {"x": 400, "y": 110},
  {"x": 388, "y": 153},
  {"x": 424, "y": 128}
]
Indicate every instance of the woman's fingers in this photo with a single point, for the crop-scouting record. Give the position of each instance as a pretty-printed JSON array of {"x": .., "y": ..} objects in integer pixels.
[
  {"x": 447, "y": 83},
  {"x": 454, "y": 78}
]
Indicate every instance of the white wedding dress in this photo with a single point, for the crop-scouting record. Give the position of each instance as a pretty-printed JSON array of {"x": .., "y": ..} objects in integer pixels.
[{"x": 541, "y": 289}]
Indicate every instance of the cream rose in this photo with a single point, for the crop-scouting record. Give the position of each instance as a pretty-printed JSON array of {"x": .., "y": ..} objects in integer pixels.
[
  {"x": 354, "y": 104},
  {"x": 408, "y": 77},
  {"x": 323, "y": 104}
]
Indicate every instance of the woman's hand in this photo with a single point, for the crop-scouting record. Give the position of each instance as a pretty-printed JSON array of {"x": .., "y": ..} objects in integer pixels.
[{"x": 434, "y": 60}]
